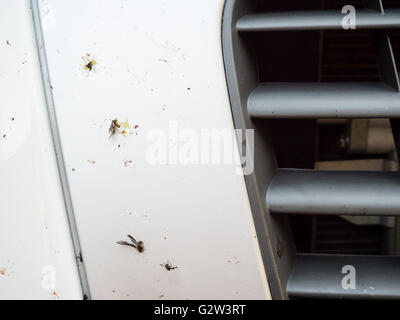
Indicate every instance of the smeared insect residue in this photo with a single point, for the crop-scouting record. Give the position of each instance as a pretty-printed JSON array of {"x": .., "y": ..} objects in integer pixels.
[
  {"x": 116, "y": 125},
  {"x": 89, "y": 63},
  {"x": 168, "y": 266}
]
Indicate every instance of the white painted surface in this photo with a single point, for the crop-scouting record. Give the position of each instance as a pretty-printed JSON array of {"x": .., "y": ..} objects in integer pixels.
[
  {"x": 34, "y": 233},
  {"x": 149, "y": 53}
]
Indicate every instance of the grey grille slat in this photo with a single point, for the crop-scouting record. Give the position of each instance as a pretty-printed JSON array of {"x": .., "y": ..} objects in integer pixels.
[
  {"x": 320, "y": 276},
  {"x": 319, "y": 100},
  {"x": 316, "y": 20},
  {"x": 259, "y": 53},
  {"x": 334, "y": 192}
]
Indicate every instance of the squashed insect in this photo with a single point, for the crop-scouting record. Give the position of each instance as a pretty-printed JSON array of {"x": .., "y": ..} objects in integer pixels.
[
  {"x": 168, "y": 266},
  {"x": 115, "y": 125},
  {"x": 138, "y": 245},
  {"x": 127, "y": 162},
  {"x": 89, "y": 63}
]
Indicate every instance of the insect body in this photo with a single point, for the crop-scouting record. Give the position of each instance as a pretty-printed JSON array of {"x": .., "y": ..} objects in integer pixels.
[
  {"x": 89, "y": 63},
  {"x": 89, "y": 66},
  {"x": 168, "y": 266},
  {"x": 114, "y": 127},
  {"x": 138, "y": 245}
]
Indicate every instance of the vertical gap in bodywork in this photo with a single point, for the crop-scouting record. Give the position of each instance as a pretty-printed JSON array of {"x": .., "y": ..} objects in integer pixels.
[
  {"x": 57, "y": 145},
  {"x": 386, "y": 65}
]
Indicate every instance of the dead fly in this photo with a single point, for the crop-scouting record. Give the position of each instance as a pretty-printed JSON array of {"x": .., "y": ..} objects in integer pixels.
[
  {"x": 89, "y": 63},
  {"x": 114, "y": 127},
  {"x": 168, "y": 266},
  {"x": 138, "y": 245}
]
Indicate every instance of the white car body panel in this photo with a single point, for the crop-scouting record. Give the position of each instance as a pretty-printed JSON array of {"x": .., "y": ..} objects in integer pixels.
[
  {"x": 37, "y": 260},
  {"x": 158, "y": 63}
]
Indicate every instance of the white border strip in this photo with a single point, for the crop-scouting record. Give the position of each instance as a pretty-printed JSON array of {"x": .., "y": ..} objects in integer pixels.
[{"x": 57, "y": 146}]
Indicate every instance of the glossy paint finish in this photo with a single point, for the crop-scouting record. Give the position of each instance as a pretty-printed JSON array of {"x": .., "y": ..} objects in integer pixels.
[
  {"x": 158, "y": 62},
  {"x": 36, "y": 256}
]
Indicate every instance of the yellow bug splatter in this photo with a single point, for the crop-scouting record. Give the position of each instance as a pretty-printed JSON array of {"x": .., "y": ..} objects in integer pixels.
[
  {"x": 89, "y": 63},
  {"x": 125, "y": 126},
  {"x": 116, "y": 125}
]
